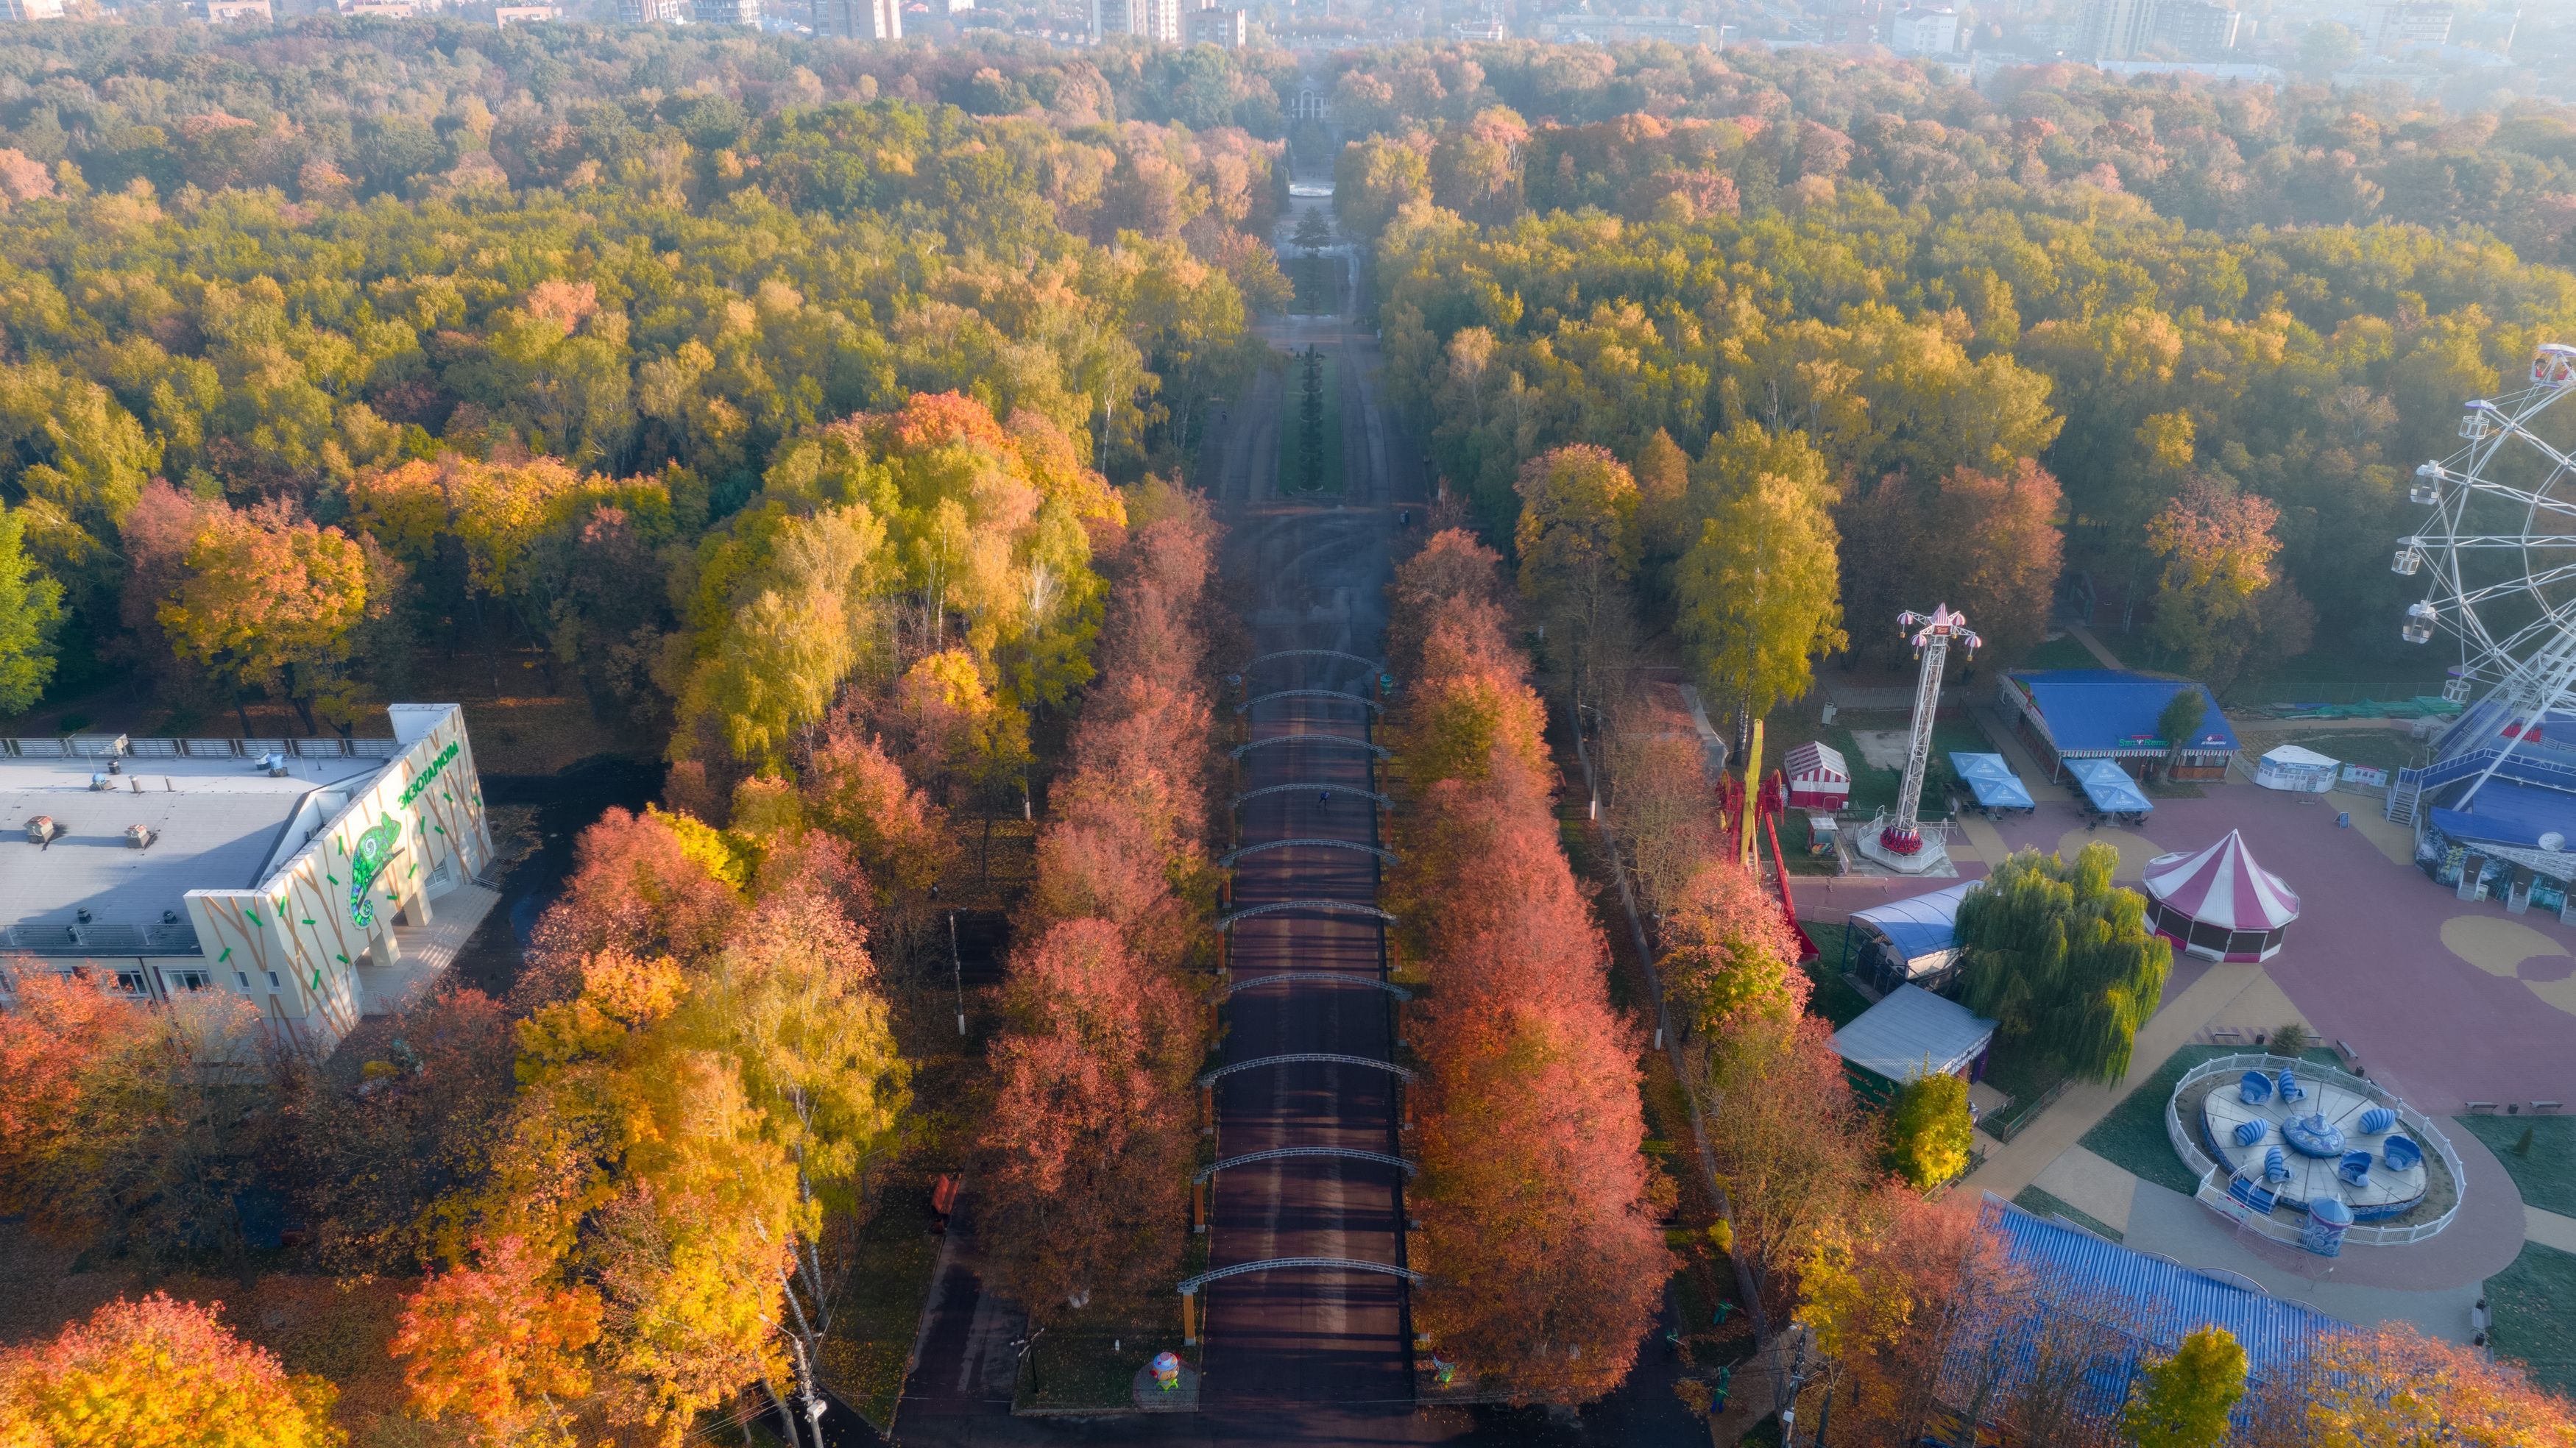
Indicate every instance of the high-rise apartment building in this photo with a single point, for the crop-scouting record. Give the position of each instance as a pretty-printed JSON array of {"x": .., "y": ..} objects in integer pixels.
[
  {"x": 1156, "y": 20},
  {"x": 858, "y": 19},
  {"x": 2405, "y": 25},
  {"x": 727, "y": 12},
  {"x": 2115, "y": 29},
  {"x": 2198, "y": 28}
]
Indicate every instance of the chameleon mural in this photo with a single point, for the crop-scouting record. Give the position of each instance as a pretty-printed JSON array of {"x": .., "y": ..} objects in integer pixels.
[{"x": 366, "y": 861}]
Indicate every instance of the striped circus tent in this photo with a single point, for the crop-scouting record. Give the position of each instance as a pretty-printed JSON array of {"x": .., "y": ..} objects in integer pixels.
[{"x": 2218, "y": 903}]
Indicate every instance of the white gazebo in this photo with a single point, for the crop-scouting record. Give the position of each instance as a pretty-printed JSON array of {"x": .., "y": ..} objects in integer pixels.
[{"x": 2300, "y": 771}]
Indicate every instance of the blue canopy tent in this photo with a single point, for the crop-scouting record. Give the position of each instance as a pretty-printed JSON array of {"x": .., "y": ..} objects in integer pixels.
[
  {"x": 1992, "y": 781},
  {"x": 2108, "y": 790},
  {"x": 1915, "y": 939}
]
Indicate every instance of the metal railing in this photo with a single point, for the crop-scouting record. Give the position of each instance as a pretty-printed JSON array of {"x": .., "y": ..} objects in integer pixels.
[
  {"x": 107, "y": 746},
  {"x": 2214, "y": 1175},
  {"x": 100, "y": 940}
]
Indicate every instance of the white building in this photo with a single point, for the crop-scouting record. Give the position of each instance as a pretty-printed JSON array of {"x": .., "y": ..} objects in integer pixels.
[
  {"x": 1924, "y": 30},
  {"x": 727, "y": 12},
  {"x": 2403, "y": 26},
  {"x": 24, "y": 10},
  {"x": 858, "y": 19},
  {"x": 227, "y": 12},
  {"x": 1156, "y": 20},
  {"x": 1224, "y": 28},
  {"x": 300, "y": 875},
  {"x": 2114, "y": 29},
  {"x": 508, "y": 15}
]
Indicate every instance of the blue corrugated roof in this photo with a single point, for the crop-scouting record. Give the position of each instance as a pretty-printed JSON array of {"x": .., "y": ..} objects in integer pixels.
[
  {"x": 2144, "y": 1305},
  {"x": 1996, "y": 786},
  {"x": 2109, "y": 786},
  {"x": 2511, "y": 814},
  {"x": 2107, "y": 709},
  {"x": 1920, "y": 925}
]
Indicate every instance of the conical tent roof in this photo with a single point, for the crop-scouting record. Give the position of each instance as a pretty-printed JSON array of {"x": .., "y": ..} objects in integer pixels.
[{"x": 2222, "y": 886}]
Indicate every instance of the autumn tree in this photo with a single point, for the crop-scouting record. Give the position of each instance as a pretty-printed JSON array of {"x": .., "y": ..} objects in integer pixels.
[
  {"x": 1987, "y": 543},
  {"x": 110, "y": 1133},
  {"x": 636, "y": 887},
  {"x": 30, "y": 608},
  {"x": 1577, "y": 541},
  {"x": 1785, "y": 1136},
  {"x": 271, "y": 602},
  {"x": 1092, "y": 1121},
  {"x": 1897, "y": 1289},
  {"x": 1729, "y": 952},
  {"x": 2186, "y": 1398},
  {"x": 159, "y": 1373},
  {"x": 1757, "y": 591},
  {"x": 1658, "y": 797},
  {"x": 500, "y": 1344},
  {"x": 2393, "y": 1384},
  {"x": 2218, "y": 603},
  {"x": 1929, "y": 1129},
  {"x": 2178, "y": 724},
  {"x": 2063, "y": 959},
  {"x": 900, "y": 838}
]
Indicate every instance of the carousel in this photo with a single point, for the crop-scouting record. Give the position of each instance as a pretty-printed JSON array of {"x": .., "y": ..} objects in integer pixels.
[{"x": 2218, "y": 904}]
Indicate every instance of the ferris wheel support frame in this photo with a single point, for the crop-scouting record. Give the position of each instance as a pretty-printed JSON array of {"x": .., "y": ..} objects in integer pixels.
[{"x": 2527, "y": 687}]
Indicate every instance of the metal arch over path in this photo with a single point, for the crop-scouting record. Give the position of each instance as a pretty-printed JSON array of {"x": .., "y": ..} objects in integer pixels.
[
  {"x": 1314, "y": 977},
  {"x": 1319, "y": 786},
  {"x": 1279, "y": 1153},
  {"x": 1329, "y": 907},
  {"x": 1304, "y": 1058},
  {"x": 1190, "y": 1286},
  {"x": 1261, "y": 659},
  {"x": 1345, "y": 740},
  {"x": 1230, "y": 856},
  {"x": 1249, "y": 704}
]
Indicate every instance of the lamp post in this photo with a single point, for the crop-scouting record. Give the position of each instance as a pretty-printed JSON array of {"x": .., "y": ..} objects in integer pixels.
[{"x": 1899, "y": 843}]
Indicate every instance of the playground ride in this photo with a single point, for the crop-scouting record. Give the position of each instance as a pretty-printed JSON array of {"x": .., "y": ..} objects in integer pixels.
[
  {"x": 2312, "y": 1156},
  {"x": 1899, "y": 842}
]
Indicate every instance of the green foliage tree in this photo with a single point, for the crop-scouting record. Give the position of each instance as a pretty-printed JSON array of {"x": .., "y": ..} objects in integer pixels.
[
  {"x": 1310, "y": 420},
  {"x": 1577, "y": 541},
  {"x": 1757, "y": 592},
  {"x": 2186, "y": 1400},
  {"x": 2062, "y": 959},
  {"x": 30, "y": 608},
  {"x": 1929, "y": 1130},
  {"x": 2178, "y": 723}
]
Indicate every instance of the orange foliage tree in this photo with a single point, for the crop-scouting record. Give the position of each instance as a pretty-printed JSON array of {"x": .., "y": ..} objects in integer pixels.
[
  {"x": 1094, "y": 1123},
  {"x": 1538, "y": 1209},
  {"x": 499, "y": 1344},
  {"x": 158, "y": 1373}
]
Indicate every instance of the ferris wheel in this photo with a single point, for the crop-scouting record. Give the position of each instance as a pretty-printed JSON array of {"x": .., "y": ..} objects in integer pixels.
[{"x": 2498, "y": 551}]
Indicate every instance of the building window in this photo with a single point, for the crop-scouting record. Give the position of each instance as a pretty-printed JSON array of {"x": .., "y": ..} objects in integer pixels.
[
  {"x": 131, "y": 982},
  {"x": 272, "y": 980},
  {"x": 243, "y": 977},
  {"x": 184, "y": 979}
]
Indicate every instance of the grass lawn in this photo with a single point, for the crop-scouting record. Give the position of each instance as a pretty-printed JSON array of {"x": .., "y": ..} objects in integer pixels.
[
  {"x": 1874, "y": 788},
  {"x": 1318, "y": 280},
  {"x": 2534, "y": 1302},
  {"x": 1294, "y": 421},
  {"x": 2377, "y": 748},
  {"x": 2546, "y": 1176},
  {"x": 881, "y": 1309},
  {"x": 2041, "y": 1204},
  {"x": 2133, "y": 1138},
  {"x": 1835, "y": 999},
  {"x": 2066, "y": 652},
  {"x": 1092, "y": 1361},
  {"x": 2024, "y": 1078}
]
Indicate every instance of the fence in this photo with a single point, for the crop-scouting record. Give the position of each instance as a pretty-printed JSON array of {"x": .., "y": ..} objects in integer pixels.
[
  {"x": 108, "y": 746},
  {"x": 2214, "y": 1176}
]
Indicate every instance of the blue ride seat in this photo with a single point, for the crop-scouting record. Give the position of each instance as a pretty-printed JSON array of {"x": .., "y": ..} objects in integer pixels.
[
  {"x": 2276, "y": 1167},
  {"x": 2376, "y": 1120},
  {"x": 2291, "y": 1090},
  {"x": 2255, "y": 1089},
  {"x": 2250, "y": 1132},
  {"x": 2354, "y": 1168},
  {"x": 2401, "y": 1152}
]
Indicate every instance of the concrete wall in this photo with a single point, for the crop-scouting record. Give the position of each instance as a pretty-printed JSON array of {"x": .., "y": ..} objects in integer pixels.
[{"x": 294, "y": 945}]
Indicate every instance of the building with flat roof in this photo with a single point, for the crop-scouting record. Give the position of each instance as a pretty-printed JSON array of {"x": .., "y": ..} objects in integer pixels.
[
  {"x": 2070, "y": 714},
  {"x": 284, "y": 871}
]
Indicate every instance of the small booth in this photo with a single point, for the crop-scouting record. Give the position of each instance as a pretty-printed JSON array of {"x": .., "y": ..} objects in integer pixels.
[
  {"x": 2297, "y": 770},
  {"x": 1910, "y": 941},
  {"x": 1992, "y": 783},
  {"x": 2218, "y": 904},
  {"x": 2109, "y": 793},
  {"x": 1911, "y": 1034},
  {"x": 1818, "y": 777}
]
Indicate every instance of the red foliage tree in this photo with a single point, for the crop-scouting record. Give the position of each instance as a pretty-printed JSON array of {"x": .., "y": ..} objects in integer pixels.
[
  {"x": 1092, "y": 1120},
  {"x": 633, "y": 888},
  {"x": 499, "y": 1344}
]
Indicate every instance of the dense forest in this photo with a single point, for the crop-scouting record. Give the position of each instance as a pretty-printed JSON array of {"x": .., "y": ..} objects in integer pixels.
[{"x": 825, "y": 416}]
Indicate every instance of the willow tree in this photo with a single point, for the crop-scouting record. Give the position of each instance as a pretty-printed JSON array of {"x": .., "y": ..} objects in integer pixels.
[{"x": 2062, "y": 959}]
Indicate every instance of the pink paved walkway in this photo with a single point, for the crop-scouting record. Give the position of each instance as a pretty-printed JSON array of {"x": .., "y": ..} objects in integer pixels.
[{"x": 2365, "y": 963}]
